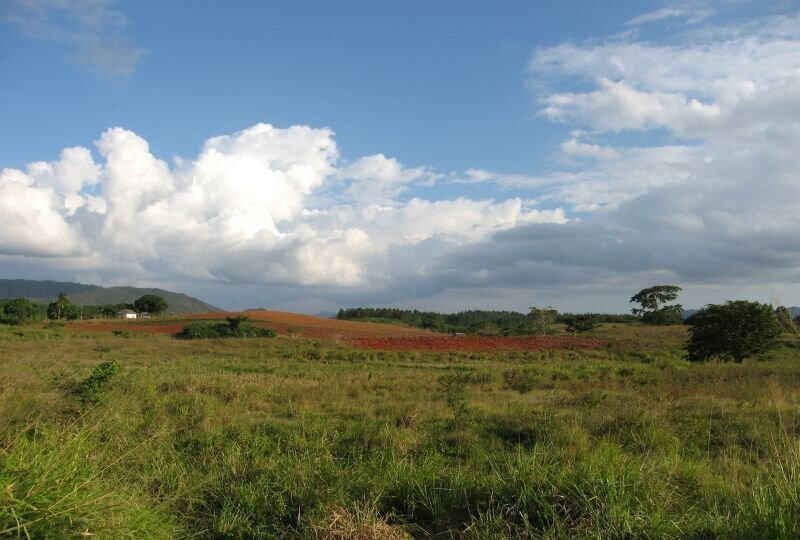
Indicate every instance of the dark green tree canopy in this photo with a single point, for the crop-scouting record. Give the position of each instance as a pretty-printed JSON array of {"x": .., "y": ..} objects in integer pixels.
[
  {"x": 18, "y": 311},
  {"x": 732, "y": 331},
  {"x": 62, "y": 308},
  {"x": 151, "y": 303},
  {"x": 654, "y": 308},
  {"x": 581, "y": 322}
]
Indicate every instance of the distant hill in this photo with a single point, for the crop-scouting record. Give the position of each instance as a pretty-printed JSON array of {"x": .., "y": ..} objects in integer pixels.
[
  {"x": 28, "y": 288},
  {"x": 93, "y": 295}
]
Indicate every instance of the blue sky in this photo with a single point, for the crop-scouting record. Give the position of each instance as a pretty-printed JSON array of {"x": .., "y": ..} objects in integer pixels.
[
  {"x": 437, "y": 154},
  {"x": 436, "y": 83}
]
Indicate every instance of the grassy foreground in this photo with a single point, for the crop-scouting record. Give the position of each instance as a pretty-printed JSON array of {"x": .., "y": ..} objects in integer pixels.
[{"x": 154, "y": 437}]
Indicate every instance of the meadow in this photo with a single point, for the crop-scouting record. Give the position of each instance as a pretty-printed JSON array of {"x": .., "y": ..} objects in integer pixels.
[{"x": 141, "y": 435}]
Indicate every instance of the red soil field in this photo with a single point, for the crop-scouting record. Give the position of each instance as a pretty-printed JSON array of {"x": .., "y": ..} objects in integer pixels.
[
  {"x": 387, "y": 337},
  {"x": 440, "y": 343},
  {"x": 282, "y": 322}
]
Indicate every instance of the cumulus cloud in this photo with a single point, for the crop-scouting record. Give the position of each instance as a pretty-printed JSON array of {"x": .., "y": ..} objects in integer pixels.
[
  {"x": 378, "y": 178},
  {"x": 92, "y": 28},
  {"x": 242, "y": 211}
]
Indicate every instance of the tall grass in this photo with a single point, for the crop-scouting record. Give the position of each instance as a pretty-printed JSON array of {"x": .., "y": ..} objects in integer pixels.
[{"x": 290, "y": 438}]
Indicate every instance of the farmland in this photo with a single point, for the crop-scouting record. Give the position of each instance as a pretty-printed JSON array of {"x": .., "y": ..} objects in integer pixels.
[{"x": 337, "y": 429}]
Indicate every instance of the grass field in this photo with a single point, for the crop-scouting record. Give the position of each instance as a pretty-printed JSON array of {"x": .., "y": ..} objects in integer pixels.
[{"x": 153, "y": 437}]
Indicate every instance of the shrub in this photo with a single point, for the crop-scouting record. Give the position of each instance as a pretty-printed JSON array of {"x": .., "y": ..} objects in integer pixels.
[
  {"x": 92, "y": 387},
  {"x": 732, "y": 331},
  {"x": 121, "y": 333},
  {"x": 18, "y": 311},
  {"x": 521, "y": 380},
  {"x": 582, "y": 322},
  {"x": 235, "y": 327},
  {"x": 199, "y": 330}
]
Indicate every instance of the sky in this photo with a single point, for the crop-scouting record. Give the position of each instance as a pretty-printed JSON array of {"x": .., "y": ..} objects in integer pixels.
[{"x": 448, "y": 155}]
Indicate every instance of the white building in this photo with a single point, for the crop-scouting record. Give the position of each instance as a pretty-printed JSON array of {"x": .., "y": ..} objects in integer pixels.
[{"x": 126, "y": 314}]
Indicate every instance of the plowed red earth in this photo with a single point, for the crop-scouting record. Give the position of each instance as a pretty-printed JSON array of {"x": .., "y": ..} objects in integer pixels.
[
  {"x": 476, "y": 343},
  {"x": 387, "y": 337},
  {"x": 282, "y": 322}
]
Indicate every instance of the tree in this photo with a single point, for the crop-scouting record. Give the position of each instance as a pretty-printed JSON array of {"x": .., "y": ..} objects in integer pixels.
[
  {"x": 653, "y": 308},
  {"x": 62, "y": 308},
  {"x": 151, "y": 303},
  {"x": 732, "y": 331},
  {"x": 542, "y": 318},
  {"x": 785, "y": 319},
  {"x": 581, "y": 322},
  {"x": 18, "y": 310}
]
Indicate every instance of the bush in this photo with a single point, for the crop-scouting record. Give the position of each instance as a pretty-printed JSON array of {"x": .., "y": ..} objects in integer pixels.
[
  {"x": 733, "y": 331},
  {"x": 519, "y": 379},
  {"x": 18, "y": 311},
  {"x": 90, "y": 389},
  {"x": 236, "y": 327},
  {"x": 582, "y": 322}
]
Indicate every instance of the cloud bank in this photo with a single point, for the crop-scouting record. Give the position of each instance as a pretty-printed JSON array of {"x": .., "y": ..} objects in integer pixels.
[{"x": 263, "y": 206}]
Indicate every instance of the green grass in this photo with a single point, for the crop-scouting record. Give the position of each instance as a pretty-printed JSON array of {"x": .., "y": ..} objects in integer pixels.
[{"x": 155, "y": 437}]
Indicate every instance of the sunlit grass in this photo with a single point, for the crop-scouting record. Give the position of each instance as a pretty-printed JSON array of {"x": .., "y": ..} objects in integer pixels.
[{"x": 256, "y": 438}]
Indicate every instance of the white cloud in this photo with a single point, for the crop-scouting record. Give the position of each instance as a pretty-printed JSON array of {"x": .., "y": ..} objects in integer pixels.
[
  {"x": 242, "y": 211},
  {"x": 378, "y": 178},
  {"x": 693, "y": 15},
  {"x": 94, "y": 30}
]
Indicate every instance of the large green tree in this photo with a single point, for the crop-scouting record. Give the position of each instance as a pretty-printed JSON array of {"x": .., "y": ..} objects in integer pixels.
[
  {"x": 653, "y": 305},
  {"x": 542, "y": 318},
  {"x": 151, "y": 303},
  {"x": 18, "y": 311},
  {"x": 62, "y": 308},
  {"x": 732, "y": 331}
]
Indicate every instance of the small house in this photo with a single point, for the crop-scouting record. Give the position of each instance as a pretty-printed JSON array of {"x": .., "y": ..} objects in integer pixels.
[
  {"x": 143, "y": 315},
  {"x": 126, "y": 314}
]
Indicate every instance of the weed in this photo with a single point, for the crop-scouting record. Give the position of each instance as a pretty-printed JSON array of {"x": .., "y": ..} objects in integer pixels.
[{"x": 90, "y": 389}]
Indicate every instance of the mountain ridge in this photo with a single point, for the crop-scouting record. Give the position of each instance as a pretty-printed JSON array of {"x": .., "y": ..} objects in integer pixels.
[{"x": 45, "y": 291}]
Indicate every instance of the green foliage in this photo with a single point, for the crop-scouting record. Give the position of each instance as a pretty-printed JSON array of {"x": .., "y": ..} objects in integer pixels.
[
  {"x": 523, "y": 380},
  {"x": 62, "y": 308},
  {"x": 732, "y": 331},
  {"x": 150, "y": 303},
  {"x": 472, "y": 321},
  {"x": 452, "y": 388},
  {"x": 91, "y": 388},
  {"x": 236, "y": 327},
  {"x": 540, "y": 318},
  {"x": 56, "y": 485},
  {"x": 17, "y": 311},
  {"x": 579, "y": 323},
  {"x": 653, "y": 309},
  {"x": 121, "y": 333}
]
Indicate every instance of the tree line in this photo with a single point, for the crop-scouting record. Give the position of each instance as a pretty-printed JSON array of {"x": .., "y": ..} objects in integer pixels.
[
  {"x": 484, "y": 322},
  {"x": 22, "y": 310}
]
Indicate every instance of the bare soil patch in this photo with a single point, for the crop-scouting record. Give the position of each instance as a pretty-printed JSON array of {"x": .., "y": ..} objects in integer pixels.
[{"x": 282, "y": 322}]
